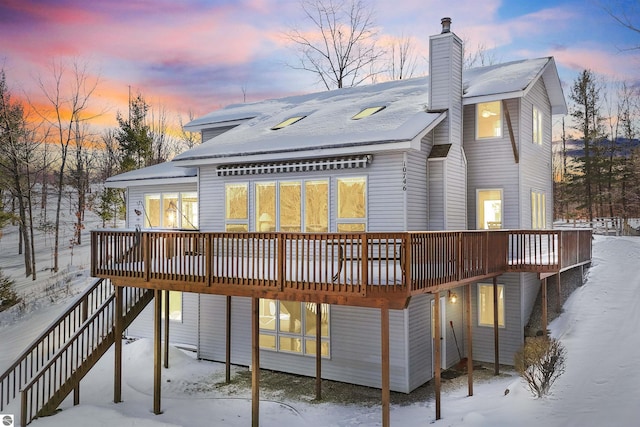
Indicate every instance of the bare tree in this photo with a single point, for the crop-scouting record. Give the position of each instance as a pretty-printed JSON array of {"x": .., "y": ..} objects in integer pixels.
[
  {"x": 343, "y": 46},
  {"x": 188, "y": 140},
  {"x": 402, "y": 59},
  {"x": 626, "y": 14},
  {"x": 67, "y": 95},
  {"x": 481, "y": 56},
  {"x": 17, "y": 159}
]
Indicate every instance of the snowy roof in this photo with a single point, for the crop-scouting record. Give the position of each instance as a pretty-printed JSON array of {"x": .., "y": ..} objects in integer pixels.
[
  {"x": 168, "y": 171},
  {"x": 328, "y": 115},
  {"x": 327, "y": 123}
]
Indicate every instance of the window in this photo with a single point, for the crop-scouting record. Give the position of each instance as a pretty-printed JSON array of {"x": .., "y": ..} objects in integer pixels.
[
  {"x": 291, "y": 206},
  {"x": 538, "y": 210},
  {"x": 485, "y": 305},
  {"x": 367, "y": 112},
  {"x": 352, "y": 204},
  {"x": 266, "y": 207},
  {"x": 290, "y": 326},
  {"x": 236, "y": 207},
  {"x": 489, "y": 209},
  {"x": 171, "y": 210},
  {"x": 316, "y": 206},
  {"x": 288, "y": 122},
  {"x": 489, "y": 120},
  {"x": 175, "y": 305},
  {"x": 537, "y": 126}
]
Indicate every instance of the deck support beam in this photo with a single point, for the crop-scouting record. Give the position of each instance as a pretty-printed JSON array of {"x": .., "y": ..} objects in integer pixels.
[
  {"x": 559, "y": 293},
  {"x": 496, "y": 340},
  {"x": 318, "y": 351},
  {"x": 467, "y": 315},
  {"x": 117, "y": 331},
  {"x": 166, "y": 329},
  {"x": 384, "y": 338},
  {"x": 227, "y": 360},
  {"x": 157, "y": 351},
  {"x": 544, "y": 306},
  {"x": 437, "y": 343},
  {"x": 255, "y": 362}
]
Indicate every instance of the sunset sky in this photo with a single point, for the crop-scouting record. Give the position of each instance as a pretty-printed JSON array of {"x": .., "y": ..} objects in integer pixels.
[{"x": 201, "y": 55}]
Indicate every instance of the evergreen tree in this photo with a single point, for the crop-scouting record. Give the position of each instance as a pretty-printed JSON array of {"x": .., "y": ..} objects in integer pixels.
[
  {"x": 134, "y": 136},
  {"x": 586, "y": 180}
]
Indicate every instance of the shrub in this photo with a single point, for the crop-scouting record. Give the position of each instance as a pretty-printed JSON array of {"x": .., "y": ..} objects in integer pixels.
[
  {"x": 540, "y": 361},
  {"x": 8, "y": 296}
]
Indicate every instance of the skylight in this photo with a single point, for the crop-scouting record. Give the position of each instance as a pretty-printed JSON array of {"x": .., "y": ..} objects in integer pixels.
[
  {"x": 287, "y": 122},
  {"x": 367, "y": 112}
]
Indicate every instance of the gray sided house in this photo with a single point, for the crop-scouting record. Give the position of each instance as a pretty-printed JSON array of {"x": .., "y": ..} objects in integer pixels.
[{"x": 457, "y": 150}]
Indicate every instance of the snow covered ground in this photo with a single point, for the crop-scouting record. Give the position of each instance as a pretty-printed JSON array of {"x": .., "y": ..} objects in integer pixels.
[{"x": 599, "y": 328}]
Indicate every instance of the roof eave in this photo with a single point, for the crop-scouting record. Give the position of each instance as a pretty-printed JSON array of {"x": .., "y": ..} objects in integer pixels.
[{"x": 139, "y": 182}]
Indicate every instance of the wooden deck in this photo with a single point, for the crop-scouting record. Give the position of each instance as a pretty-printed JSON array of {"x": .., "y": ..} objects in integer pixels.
[{"x": 359, "y": 269}]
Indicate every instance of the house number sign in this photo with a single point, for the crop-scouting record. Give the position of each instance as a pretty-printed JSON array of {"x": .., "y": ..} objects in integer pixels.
[{"x": 404, "y": 175}]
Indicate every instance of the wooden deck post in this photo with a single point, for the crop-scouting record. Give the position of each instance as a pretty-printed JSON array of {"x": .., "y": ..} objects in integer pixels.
[
  {"x": 559, "y": 293},
  {"x": 467, "y": 314},
  {"x": 255, "y": 362},
  {"x": 117, "y": 330},
  {"x": 437, "y": 351},
  {"x": 544, "y": 306},
  {"x": 384, "y": 338},
  {"x": 318, "y": 351},
  {"x": 157, "y": 351},
  {"x": 496, "y": 341},
  {"x": 227, "y": 362},
  {"x": 166, "y": 329}
]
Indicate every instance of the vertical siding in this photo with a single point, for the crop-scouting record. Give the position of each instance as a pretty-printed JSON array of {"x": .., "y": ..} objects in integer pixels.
[{"x": 491, "y": 164}]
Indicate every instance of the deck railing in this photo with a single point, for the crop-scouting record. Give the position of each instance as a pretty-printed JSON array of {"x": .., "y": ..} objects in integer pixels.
[
  {"x": 340, "y": 263},
  {"x": 38, "y": 354}
]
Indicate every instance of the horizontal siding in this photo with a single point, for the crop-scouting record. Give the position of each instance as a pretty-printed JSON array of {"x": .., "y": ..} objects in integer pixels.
[
  {"x": 491, "y": 164},
  {"x": 355, "y": 343},
  {"x": 136, "y": 199},
  {"x": 420, "y": 351},
  {"x": 536, "y": 160},
  {"x": 385, "y": 195},
  {"x": 511, "y": 336},
  {"x": 530, "y": 290},
  {"x": 416, "y": 191},
  {"x": 183, "y": 332},
  {"x": 436, "y": 195}
]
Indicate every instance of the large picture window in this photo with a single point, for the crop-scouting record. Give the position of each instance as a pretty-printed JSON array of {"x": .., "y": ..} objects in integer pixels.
[
  {"x": 171, "y": 210},
  {"x": 290, "y": 326},
  {"x": 489, "y": 120},
  {"x": 485, "y": 305},
  {"x": 489, "y": 209}
]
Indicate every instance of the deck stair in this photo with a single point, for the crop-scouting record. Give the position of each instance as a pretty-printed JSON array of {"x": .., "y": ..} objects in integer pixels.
[{"x": 52, "y": 366}]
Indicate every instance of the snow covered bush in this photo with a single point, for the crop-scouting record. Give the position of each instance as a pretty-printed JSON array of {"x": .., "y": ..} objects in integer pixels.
[
  {"x": 8, "y": 296},
  {"x": 540, "y": 361}
]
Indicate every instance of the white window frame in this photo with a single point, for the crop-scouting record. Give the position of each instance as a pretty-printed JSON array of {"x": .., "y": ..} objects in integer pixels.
[
  {"x": 538, "y": 210},
  {"x": 179, "y": 214},
  {"x": 500, "y": 129},
  {"x": 302, "y": 335},
  {"x": 501, "y": 305},
  {"x": 480, "y": 190},
  {"x": 537, "y": 125}
]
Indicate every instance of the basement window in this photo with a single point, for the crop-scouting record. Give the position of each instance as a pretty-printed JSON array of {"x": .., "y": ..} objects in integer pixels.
[
  {"x": 288, "y": 122},
  {"x": 369, "y": 111}
]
